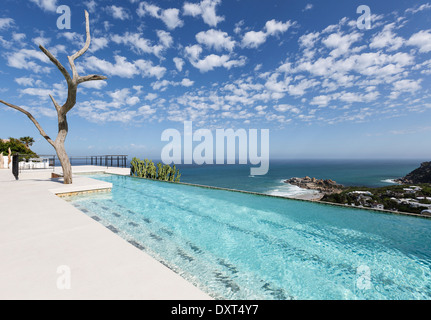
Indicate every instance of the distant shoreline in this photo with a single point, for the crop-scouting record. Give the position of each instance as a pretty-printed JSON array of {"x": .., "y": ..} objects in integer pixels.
[{"x": 308, "y": 197}]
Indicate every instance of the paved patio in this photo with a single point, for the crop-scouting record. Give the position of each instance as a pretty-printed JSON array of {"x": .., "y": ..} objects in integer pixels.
[{"x": 39, "y": 233}]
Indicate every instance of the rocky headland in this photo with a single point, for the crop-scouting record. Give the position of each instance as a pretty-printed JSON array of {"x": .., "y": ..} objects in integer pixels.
[
  {"x": 326, "y": 186},
  {"x": 417, "y": 176},
  {"x": 411, "y": 194}
]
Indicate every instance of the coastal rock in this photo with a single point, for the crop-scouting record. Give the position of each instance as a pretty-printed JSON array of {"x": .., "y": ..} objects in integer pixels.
[
  {"x": 419, "y": 175},
  {"x": 327, "y": 186}
]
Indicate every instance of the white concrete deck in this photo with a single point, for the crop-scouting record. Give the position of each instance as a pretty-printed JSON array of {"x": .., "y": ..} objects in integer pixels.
[{"x": 39, "y": 232}]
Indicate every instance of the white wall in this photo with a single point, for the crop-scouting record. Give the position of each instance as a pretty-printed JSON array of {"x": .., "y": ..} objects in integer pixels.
[{"x": 5, "y": 162}]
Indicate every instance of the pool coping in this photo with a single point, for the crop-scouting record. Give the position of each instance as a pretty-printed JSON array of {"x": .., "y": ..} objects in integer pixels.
[{"x": 41, "y": 232}]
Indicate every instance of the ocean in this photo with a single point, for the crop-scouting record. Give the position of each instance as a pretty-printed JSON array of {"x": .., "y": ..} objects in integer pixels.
[{"x": 369, "y": 173}]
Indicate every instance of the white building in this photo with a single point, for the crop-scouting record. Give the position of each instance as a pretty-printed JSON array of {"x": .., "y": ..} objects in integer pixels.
[{"x": 368, "y": 193}]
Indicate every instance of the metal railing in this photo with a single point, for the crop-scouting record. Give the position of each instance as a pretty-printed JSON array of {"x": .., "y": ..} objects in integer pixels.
[
  {"x": 119, "y": 161},
  {"x": 51, "y": 161}
]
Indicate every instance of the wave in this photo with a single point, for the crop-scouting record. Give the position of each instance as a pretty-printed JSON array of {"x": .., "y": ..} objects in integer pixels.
[
  {"x": 289, "y": 190},
  {"x": 390, "y": 181}
]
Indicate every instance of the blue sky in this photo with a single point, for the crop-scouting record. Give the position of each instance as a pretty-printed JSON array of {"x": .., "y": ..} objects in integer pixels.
[{"x": 303, "y": 69}]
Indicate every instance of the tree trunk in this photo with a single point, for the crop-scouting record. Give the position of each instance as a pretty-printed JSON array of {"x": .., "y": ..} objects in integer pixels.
[
  {"x": 63, "y": 129},
  {"x": 65, "y": 163}
]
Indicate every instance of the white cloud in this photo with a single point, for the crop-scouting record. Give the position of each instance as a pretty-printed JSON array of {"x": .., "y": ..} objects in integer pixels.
[
  {"x": 340, "y": 43},
  {"x": 300, "y": 88},
  {"x": 254, "y": 39},
  {"x": 146, "y": 110},
  {"x": 235, "y": 63},
  {"x": 238, "y": 27},
  {"x": 169, "y": 16},
  {"x": 5, "y": 23},
  {"x": 41, "y": 41},
  {"x": 22, "y": 59},
  {"x": 91, "y": 5},
  {"x": 321, "y": 100},
  {"x": 352, "y": 97},
  {"x": 308, "y": 40},
  {"x": 42, "y": 111},
  {"x": 58, "y": 90},
  {"x": 286, "y": 107},
  {"x": 118, "y": 12},
  {"x": 274, "y": 85},
  {"x": 123, "y": 97},
  {"x": 422, "y": 40},
  {"x": 46, "y": 5},
  {"x": 179, "y": 63},
  {"x": 28, "y": 82},
  {"x": 425, "y": 6},
  {"x": 98, "y": 43},
  {"x": 211, "y": 61},
  {"x": 151, "y": 96},
  {"x": 407, "y": 85},
  {"x": 121, "y": 68},
  {"x": 97, "y": 85},
  {"x": 193, "y": 52},
  {"x": 4, "y": 43},
  {"x": 163, "y": 84},
  {"x": 149, "y": 70},
  {"x": 165, "y": 39},
  {"x": 309, "y": 6},
  {"x": 273, "y": 27},
  {"x": 132, "y": 101},
  {"x": 187, "y": 82},
  {"x": 215, "y": 39},
  {"x": 116, "y": 111},
  {"x": 206, "y": 9},
  {"x": 387, "y": 39},
  {"x": 18, "y": 37},
  {"x": 142, "y": 45},
  {"x": 24, "y": 81},
  {"x": 75, "y": 38}
]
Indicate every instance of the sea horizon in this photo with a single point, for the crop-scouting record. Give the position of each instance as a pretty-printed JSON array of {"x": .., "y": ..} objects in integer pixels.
[{"x": 348, "y": 172}]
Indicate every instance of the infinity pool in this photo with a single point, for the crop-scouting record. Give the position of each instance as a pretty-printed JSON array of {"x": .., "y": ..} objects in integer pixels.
[{"x": 241, "y": 246}]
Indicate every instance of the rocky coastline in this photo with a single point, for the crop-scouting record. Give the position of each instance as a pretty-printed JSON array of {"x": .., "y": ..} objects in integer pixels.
[
  {"x": 324, "y": 186},
  {"x": 417, "y": 176},
  {"x": 411, "y": 194}
]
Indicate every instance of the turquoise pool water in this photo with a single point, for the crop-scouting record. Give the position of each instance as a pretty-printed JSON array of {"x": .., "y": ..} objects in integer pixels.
[{"x": 242, "y": 246}]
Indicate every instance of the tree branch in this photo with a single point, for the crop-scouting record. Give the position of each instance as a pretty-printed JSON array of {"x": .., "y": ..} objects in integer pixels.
[
  {"x": 83, "y": 50},
  {"x": 91, "y": 78},
  {"x": 57, "y": 63},
  {"x": 57, "y": 106},
  {"x": 30, "y": 116}
]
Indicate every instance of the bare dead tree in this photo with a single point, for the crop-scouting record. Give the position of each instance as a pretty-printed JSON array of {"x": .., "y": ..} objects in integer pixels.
[{"x": 72, "y": 85}]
